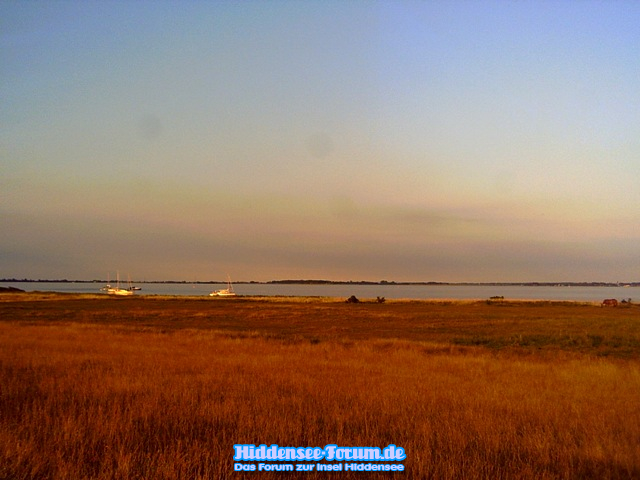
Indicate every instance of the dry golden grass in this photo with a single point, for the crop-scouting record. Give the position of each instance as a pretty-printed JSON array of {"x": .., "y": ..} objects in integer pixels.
[{"x": 141, "y": 388}]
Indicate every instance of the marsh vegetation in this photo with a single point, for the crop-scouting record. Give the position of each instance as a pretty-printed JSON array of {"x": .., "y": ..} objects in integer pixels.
[{"x": 164, "y": 387}]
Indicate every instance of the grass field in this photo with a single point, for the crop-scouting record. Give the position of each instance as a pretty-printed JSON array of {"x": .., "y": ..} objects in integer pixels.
[{"x": 153, "y": 387}]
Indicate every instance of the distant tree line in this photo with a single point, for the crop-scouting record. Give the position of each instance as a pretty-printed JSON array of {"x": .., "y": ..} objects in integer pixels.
[{"x": 348, "y": 282}]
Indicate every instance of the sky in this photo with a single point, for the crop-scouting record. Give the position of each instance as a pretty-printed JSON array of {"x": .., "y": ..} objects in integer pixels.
[{"x": 451, "y": 141}]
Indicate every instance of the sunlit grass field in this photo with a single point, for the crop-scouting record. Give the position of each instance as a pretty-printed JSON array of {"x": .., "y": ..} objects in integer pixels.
[{"x": 152, "y": 387}]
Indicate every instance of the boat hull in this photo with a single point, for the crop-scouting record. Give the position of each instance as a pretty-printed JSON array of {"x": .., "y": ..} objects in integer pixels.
[
  {"x": 222, "y": 293},
  {"x": 119, "y": 292}
]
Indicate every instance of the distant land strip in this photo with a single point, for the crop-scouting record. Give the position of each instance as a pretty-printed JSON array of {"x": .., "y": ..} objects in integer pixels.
[{"x": 342, "y": 282}]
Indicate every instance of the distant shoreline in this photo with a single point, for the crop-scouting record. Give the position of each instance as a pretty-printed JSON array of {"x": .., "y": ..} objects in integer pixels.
[{"x": 342, "y": 282}]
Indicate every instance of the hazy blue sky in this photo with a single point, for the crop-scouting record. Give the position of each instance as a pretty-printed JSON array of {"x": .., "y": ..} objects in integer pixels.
[{"x": 347, "y": 140}]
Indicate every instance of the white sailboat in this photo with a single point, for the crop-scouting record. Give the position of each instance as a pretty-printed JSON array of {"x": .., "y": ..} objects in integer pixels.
[
  {"x": 116, "y": 290},
  {"x": 225, "y": 292},
  {"x": 131, "y": 287}
]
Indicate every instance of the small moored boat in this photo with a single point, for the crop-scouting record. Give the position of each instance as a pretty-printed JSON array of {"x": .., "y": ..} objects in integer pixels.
[
  {"x": 225, "y": 292},
  {"x": 116, "y": 290}
]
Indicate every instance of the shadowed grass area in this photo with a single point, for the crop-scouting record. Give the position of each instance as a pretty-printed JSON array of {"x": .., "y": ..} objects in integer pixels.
[
  {"x": 576, "y": 327},
  {"x": 163, "y": 388}
]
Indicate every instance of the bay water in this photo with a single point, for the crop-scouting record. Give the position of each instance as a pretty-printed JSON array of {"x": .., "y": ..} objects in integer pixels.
[{"x": 389, "y": 291}]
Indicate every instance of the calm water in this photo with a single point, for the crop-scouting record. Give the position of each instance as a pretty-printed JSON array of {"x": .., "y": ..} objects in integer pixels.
[{"x": 361, "y": 291}]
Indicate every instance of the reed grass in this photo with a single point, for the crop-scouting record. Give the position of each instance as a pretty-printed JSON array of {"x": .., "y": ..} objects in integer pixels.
[{"x": 112, "y": 392}]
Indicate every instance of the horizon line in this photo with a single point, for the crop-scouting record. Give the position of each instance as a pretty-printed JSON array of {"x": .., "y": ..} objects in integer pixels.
[{"x": 338, "y": 282}]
